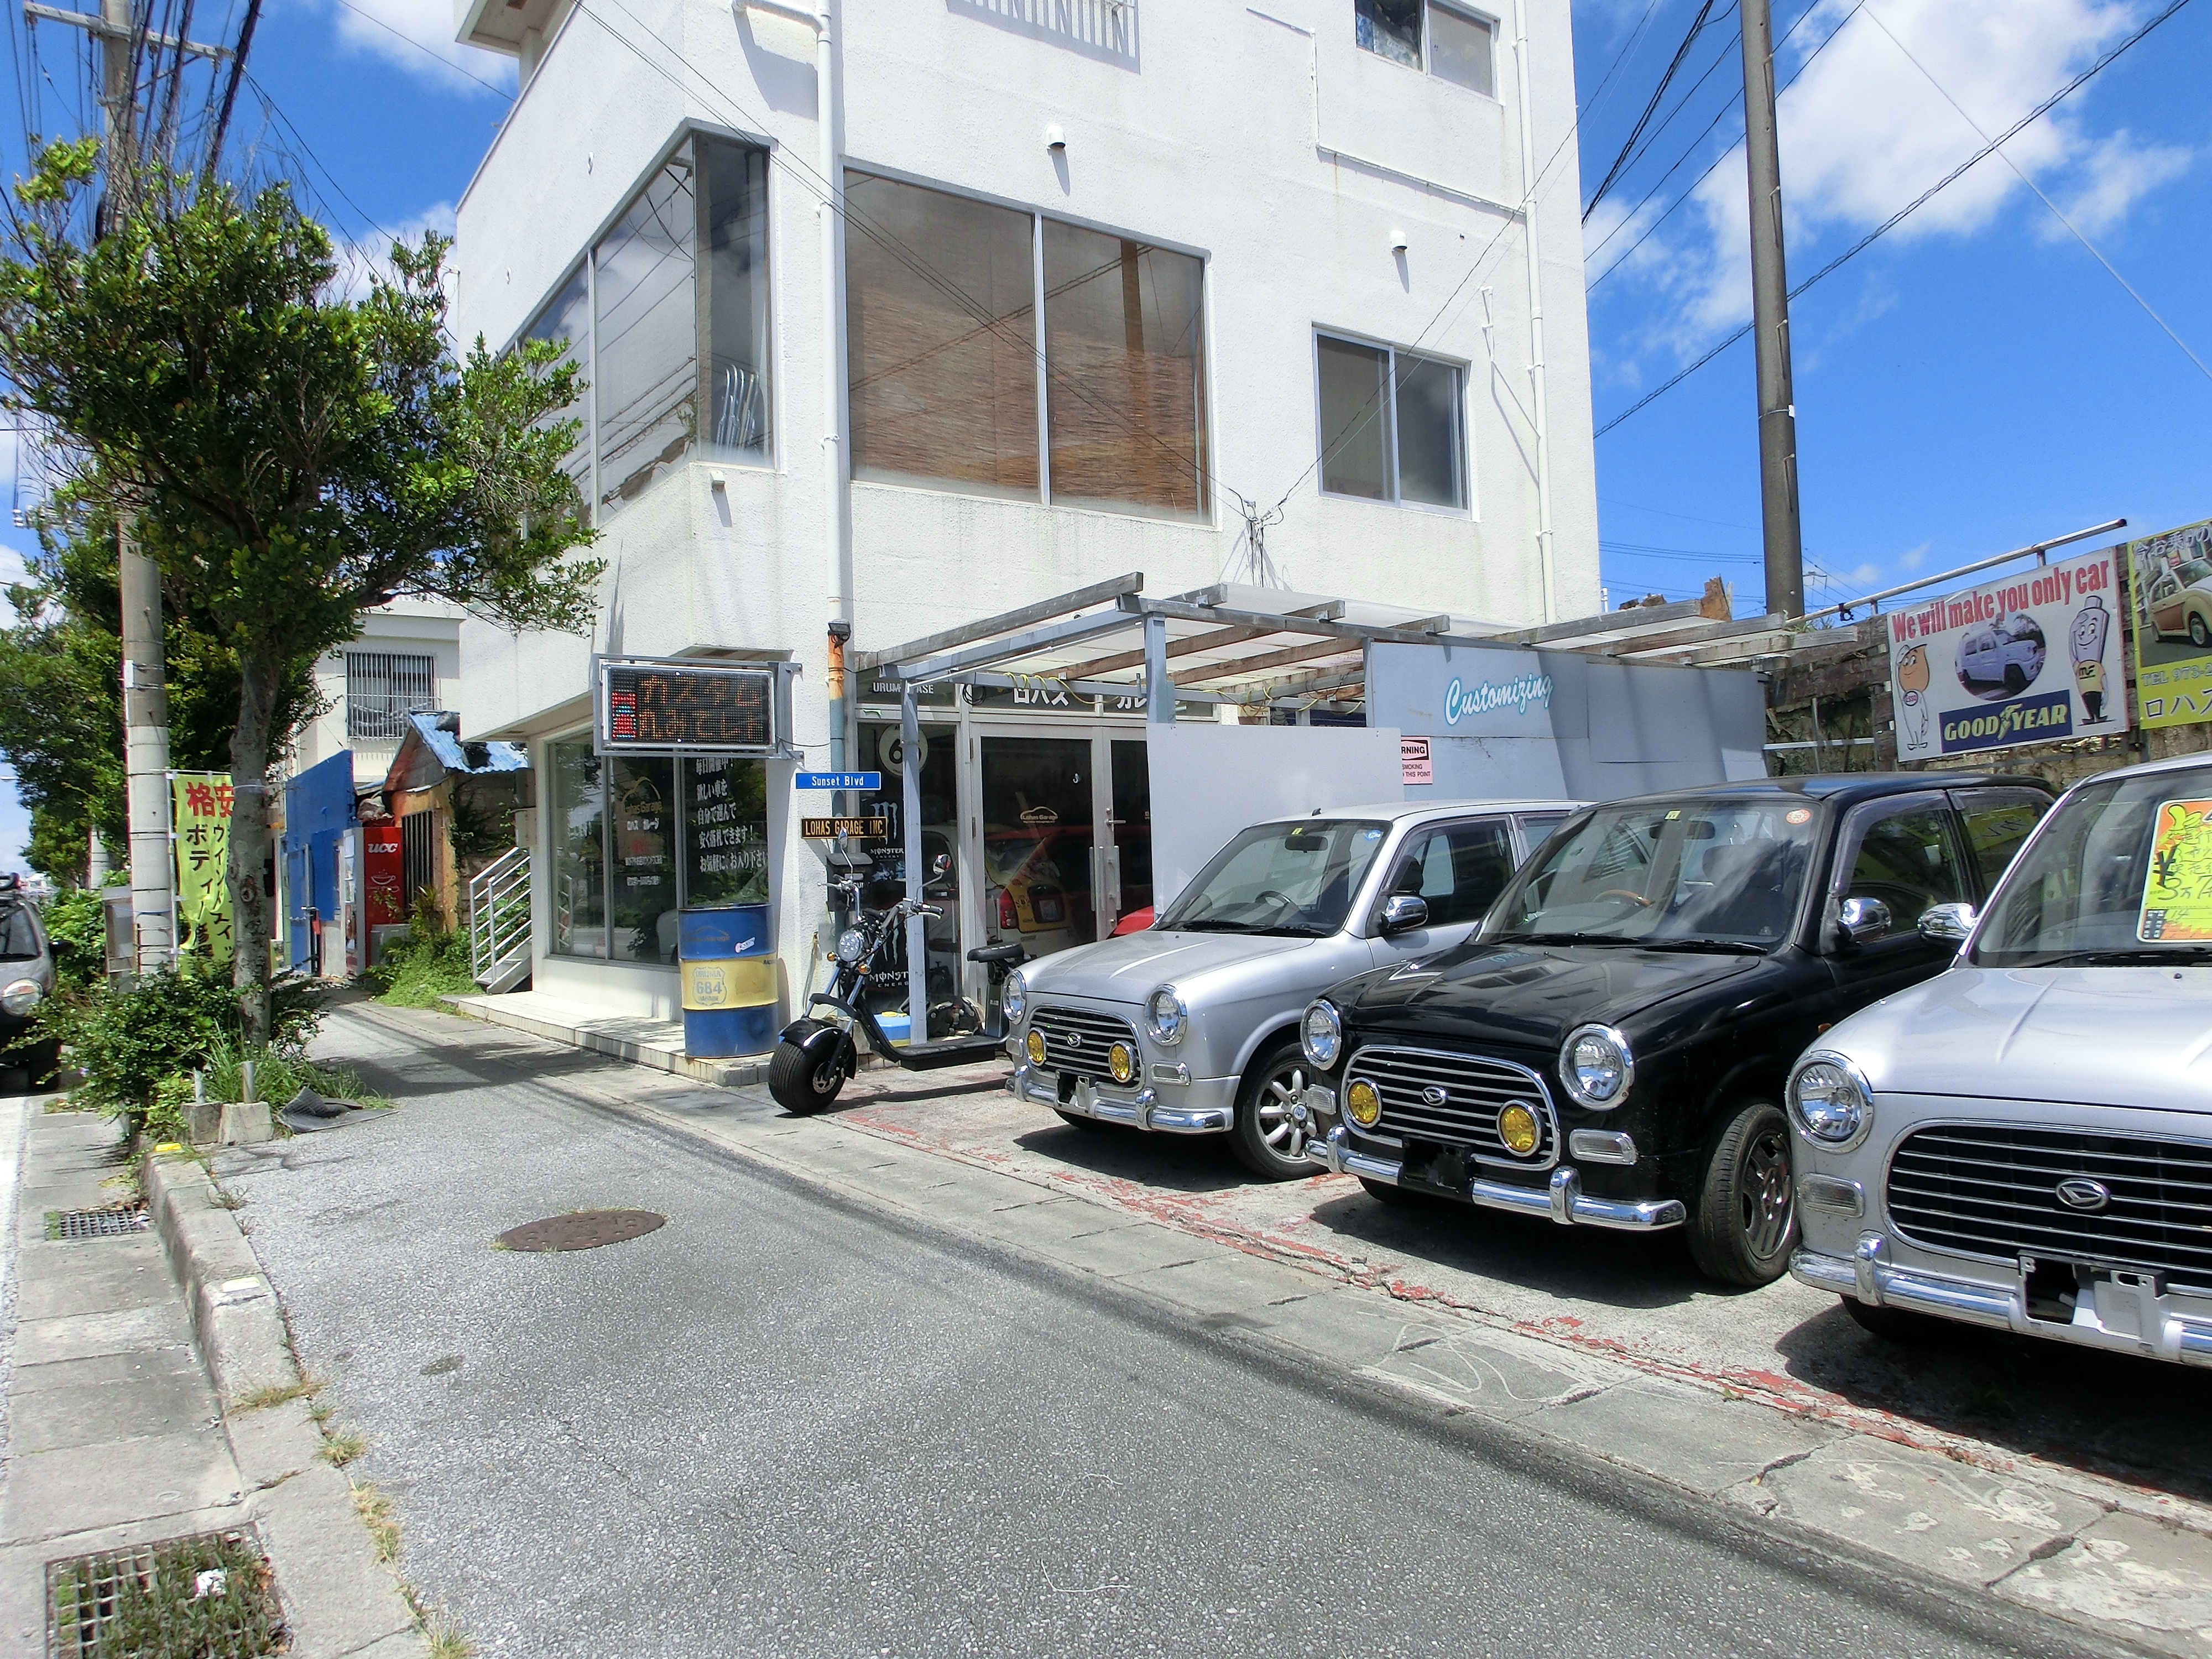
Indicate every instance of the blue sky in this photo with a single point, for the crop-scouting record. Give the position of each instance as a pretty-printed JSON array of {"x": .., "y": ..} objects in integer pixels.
[{"x": 1974, "y": 381}]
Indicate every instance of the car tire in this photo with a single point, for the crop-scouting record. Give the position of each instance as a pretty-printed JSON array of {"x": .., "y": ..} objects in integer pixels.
[
  {"x": 1745, "y": 1221},
  {"x": 1901, "y": 1326},
  {"x": 2014, "y": 681},
  {"x": 1076, "y": 1121},
  {"x": 2199, "y": 635},
  {"x": 801, "y": 1087},
  {"x": 1268, "y": 1137}
]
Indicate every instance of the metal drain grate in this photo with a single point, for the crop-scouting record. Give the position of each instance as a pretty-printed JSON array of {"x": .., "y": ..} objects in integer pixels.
[
  {"x": 207, "y": 1595},
  {"x": 586, "y": 1230},
  {"x": 116, "y": 1221}
]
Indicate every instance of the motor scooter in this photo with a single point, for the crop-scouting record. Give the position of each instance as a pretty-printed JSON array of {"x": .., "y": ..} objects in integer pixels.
[{"x": 814, "y": 1056}]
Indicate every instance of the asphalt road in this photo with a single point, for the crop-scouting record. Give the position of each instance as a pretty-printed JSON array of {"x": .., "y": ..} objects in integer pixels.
[{"x": 780, "y": 1425}]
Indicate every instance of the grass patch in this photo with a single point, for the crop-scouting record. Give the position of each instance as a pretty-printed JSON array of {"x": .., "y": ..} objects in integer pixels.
[
  {"x": 341, "y": 1447},
  {"x": 432, "y": 961},
  {"x": 374, "y": 1509},
  {"x": 446, "y": 1639},
  {"x": 186, "y": 1599},
  {"x": 276, "y": 1394}
]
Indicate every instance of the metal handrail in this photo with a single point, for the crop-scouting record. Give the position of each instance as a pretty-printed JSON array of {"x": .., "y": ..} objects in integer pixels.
[{"x": 499, "y": 919}]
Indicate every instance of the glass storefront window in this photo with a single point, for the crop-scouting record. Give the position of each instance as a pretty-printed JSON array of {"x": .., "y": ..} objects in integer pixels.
[
  {"x": 580, "y": 868},
  {"x": 643, "y": 892},
  {"x": 628, "y": 850},
  {"x": 724, "y": 832}
]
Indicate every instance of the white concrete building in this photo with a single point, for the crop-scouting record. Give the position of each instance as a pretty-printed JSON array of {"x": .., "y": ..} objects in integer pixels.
[
  {"x": 407, "y": 657},
  {"x": 1286, "y": 271}
]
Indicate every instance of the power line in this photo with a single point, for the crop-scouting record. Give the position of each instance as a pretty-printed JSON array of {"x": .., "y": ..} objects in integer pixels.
[
  {"x": 1650, "y": 108},
  {"x": 426, "y": 50},
  {"x": 2045, "y": 200},
  {"x": 1906, "y": 212}
]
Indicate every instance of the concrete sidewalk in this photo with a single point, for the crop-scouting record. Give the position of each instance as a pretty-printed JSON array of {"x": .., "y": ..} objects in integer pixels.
[{"x": 2108, "y": 1557}]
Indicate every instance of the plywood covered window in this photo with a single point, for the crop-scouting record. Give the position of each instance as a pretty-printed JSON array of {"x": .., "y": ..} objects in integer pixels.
[{"x": 944, "y": 293}]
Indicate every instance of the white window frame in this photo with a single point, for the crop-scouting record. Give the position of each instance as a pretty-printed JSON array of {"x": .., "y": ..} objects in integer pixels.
[
  {"x": 1346, "y": 337},
  {"x": 1474, "y": 14}
]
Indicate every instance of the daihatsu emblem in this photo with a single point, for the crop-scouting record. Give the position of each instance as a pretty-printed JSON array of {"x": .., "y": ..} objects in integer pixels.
[
  {"x": 1434, "y": 1096},
  {"x": 1073, "y": 1039},
  {"x": 2079, "y": 1193}
]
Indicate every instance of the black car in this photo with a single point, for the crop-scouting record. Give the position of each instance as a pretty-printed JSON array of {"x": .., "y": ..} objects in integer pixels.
[
  {"x": 27, "y": 979},
  {"x": 1610, "y": 1048}
]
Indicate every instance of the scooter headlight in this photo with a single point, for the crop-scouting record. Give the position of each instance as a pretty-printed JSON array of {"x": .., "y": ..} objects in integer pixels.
[
  {"x": 852, "y": 944},
  {"x": 1014, "y": 995}
]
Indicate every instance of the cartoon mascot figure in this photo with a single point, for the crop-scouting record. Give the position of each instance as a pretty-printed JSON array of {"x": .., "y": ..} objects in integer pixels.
[
  {"x": 2092, "y": 622},
  {"x": 1912, "y": 701}
]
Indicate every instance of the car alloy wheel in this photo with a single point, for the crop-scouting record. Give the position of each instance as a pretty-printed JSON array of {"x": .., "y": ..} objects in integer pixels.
[
  {"x": 1273, "y": 1123},
  {"x": 1764, "y": 1201},
  {"x": 2198, "y": 635},
  {"x": 1745, "y": 1221}
]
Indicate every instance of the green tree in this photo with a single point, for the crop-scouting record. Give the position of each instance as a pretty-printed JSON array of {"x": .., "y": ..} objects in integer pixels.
[{"x": 292, "y": 457}]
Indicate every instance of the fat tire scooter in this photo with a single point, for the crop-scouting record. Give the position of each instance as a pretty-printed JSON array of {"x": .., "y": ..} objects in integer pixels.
[{"x": 815, "y": 1056}]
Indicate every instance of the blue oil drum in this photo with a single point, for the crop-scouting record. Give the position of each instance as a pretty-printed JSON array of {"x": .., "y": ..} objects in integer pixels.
[{"x": 729, "y": 981}]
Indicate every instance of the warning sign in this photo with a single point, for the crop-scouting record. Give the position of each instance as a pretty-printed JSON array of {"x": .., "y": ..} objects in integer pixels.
[
  {"x": 2177, "y": 901},
  {"x": 1413, "y": 760}
]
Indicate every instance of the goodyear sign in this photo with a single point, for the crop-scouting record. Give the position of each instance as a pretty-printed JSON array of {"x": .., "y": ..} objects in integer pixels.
[{"x": 2031, "y": 720}]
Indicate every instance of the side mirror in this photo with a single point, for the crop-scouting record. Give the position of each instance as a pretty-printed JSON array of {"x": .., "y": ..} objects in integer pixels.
[
  {"x": 1403, "y": 913},
  {"x": 1864, "y": 919},
  {"x": 1949, "y": 923},
  {"x": 940, "y": 864}
]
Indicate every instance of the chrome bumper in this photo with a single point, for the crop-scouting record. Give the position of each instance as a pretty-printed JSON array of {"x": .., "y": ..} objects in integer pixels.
[
  {"x": 1562, "y": 1199},
  {"x": 1140, "y": 1110},
  {"x": 2131, "y": 1318}
]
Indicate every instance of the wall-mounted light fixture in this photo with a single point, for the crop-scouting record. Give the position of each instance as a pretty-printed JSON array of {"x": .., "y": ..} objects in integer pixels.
[
  {"x": 1398, "y": 243},
  {"x": 1055, "y": 140}
]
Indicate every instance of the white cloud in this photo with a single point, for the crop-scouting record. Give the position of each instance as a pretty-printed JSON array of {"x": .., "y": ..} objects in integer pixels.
[
  {"x": 1864, "y": 132},
  {"x": 371, "y": 255},
  {"x": 417, "y": 36}
]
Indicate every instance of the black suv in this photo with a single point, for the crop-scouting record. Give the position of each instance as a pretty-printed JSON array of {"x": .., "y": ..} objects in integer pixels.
[
  {"x": 1610, "y": 1048},
  {"x": 27, "y": 979}
]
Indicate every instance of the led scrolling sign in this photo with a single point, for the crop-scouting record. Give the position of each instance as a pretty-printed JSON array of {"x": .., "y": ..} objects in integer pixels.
[{"x": 650, "y": 706}]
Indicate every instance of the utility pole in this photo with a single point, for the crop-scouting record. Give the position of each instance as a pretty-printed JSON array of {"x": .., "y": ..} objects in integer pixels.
[
  {"x": 145, "y": 676},
  {"x": 1770, "y": 320}
]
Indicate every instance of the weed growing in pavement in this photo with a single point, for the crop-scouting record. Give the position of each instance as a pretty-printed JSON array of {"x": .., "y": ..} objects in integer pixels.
[
  {"x": 374, "y": 1509},
  {"x": 277, "y": 1394},
  {"x": 432, "y": 961},
  {"x": 319, "y": 1414},
  {"x": 444, "y": 1636},
  {"x": 226, "y": 1200},
  {"x": 342, "y": 1446}
]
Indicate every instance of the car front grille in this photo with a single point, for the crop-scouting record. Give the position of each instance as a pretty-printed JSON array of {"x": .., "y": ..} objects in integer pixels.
[
  {"x": 1992, "y": 1189},
  {"x": 1474, "y": 1089},
  {"x": 1076, "y": 1040}
]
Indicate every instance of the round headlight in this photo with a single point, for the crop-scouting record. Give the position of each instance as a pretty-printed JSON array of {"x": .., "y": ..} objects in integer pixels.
[
  {"x": 1517, "y": 1128},
  {"x": 22, "y": 996},
  {"x": 1597, "y": 1066},
  {"x": 852, "y": 944},
  {"x": 1321, "y": 1034},
  {"x": 1121, "y": 1063},
  {"x": 1165, "y": 1016},
  {"x": 1014, "y": 995},
  {"x": 1363, "y": 1103},
  {"x": 1830, "y": 1103},
  {"x": 1034, "y": 1046}
]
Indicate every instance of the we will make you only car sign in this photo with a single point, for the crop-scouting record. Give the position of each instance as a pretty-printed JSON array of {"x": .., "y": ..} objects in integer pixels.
[{"x": 2025, "y": 658}]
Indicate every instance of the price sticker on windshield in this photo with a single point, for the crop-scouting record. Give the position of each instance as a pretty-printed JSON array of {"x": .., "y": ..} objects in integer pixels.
[{"x": 2177, "y": 902}]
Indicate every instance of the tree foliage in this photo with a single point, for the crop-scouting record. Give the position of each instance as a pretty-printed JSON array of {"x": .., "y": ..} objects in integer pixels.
[{"x": 289, "y": 455}]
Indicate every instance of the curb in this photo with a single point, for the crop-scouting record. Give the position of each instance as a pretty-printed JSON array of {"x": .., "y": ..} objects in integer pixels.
[{"x": 338, "y": 1598}]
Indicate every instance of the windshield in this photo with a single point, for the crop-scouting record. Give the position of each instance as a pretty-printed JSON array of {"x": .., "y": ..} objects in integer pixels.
[
  {"x": 1724, "y": 874},
  {"x": 2120, "y": 873},
  {"x": 1297, "y": 879},
  {"x": 19, "y": 934}
]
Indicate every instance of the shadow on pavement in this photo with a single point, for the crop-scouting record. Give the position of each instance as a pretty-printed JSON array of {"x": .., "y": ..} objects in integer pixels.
[{"x": 1175, "y": 1164}]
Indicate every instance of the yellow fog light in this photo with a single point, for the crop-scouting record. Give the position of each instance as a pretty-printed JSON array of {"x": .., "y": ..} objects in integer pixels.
[
  {"x": 1121, "y": 1063},
  {"x": 1517, "y": 1128},
  {"x": 1034, "y": 1046},
  {"x": 1363, "y": 1103}
]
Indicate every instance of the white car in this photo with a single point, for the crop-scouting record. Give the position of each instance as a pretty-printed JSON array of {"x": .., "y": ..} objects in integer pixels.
[
  {"x": 2025, "y": 1140},
  {"x": 1190, "y": 1027}
]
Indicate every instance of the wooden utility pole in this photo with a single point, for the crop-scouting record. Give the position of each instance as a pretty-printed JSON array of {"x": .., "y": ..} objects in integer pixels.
[{"x": 1769, "y": 318}]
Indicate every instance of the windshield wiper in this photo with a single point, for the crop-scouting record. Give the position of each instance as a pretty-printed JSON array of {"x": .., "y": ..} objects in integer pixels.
[
  {"x": 1557, "y": 939},
  {"x": 1211, "y": 925},
  {"x": 1726, "y": 947}
]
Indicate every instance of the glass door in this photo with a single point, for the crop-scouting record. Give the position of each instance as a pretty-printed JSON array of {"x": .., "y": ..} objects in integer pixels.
[
  {"x": 1040, "y": 831},
  {"x": 1130, "y": 892}
]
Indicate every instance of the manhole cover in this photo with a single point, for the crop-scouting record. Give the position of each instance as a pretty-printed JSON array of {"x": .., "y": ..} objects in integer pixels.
[
  {"x": 206, "y": 1594},
  {"x": 116, "y": 1221},
  {"x": 587, "y": 1230}
]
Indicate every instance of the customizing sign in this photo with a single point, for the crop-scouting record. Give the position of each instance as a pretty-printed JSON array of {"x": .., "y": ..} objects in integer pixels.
[
  {"x": 830, "y": 828},
  {"x": 2025, "y": 659},
  {"x": 869, "y": 781},
  {"x": 2177, "y": 902},
  {"x": 1413, "y": 760},
  {"x": 660, "y": 707},
  {"x": 2170, "y": 580},
  {"x": 200, "y": 805},
  {"x": 1487, "y": 696}
]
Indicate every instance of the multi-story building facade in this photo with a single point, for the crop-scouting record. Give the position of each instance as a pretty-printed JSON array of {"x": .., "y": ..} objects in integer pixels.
[{"x": 915, "y": 311}]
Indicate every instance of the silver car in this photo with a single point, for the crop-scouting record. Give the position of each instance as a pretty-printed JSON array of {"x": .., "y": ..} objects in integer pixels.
[
  {"x": 1190, "y": 1027},
  {"x": 2025, "y": 1140}
]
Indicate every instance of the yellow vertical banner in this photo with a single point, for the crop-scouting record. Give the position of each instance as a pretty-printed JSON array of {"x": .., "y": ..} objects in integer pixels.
[{"x": 200, "y": 804}]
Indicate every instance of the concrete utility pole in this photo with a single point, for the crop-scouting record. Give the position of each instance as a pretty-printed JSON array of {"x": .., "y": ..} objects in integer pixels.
[{"x": 1769, "y": 318}]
